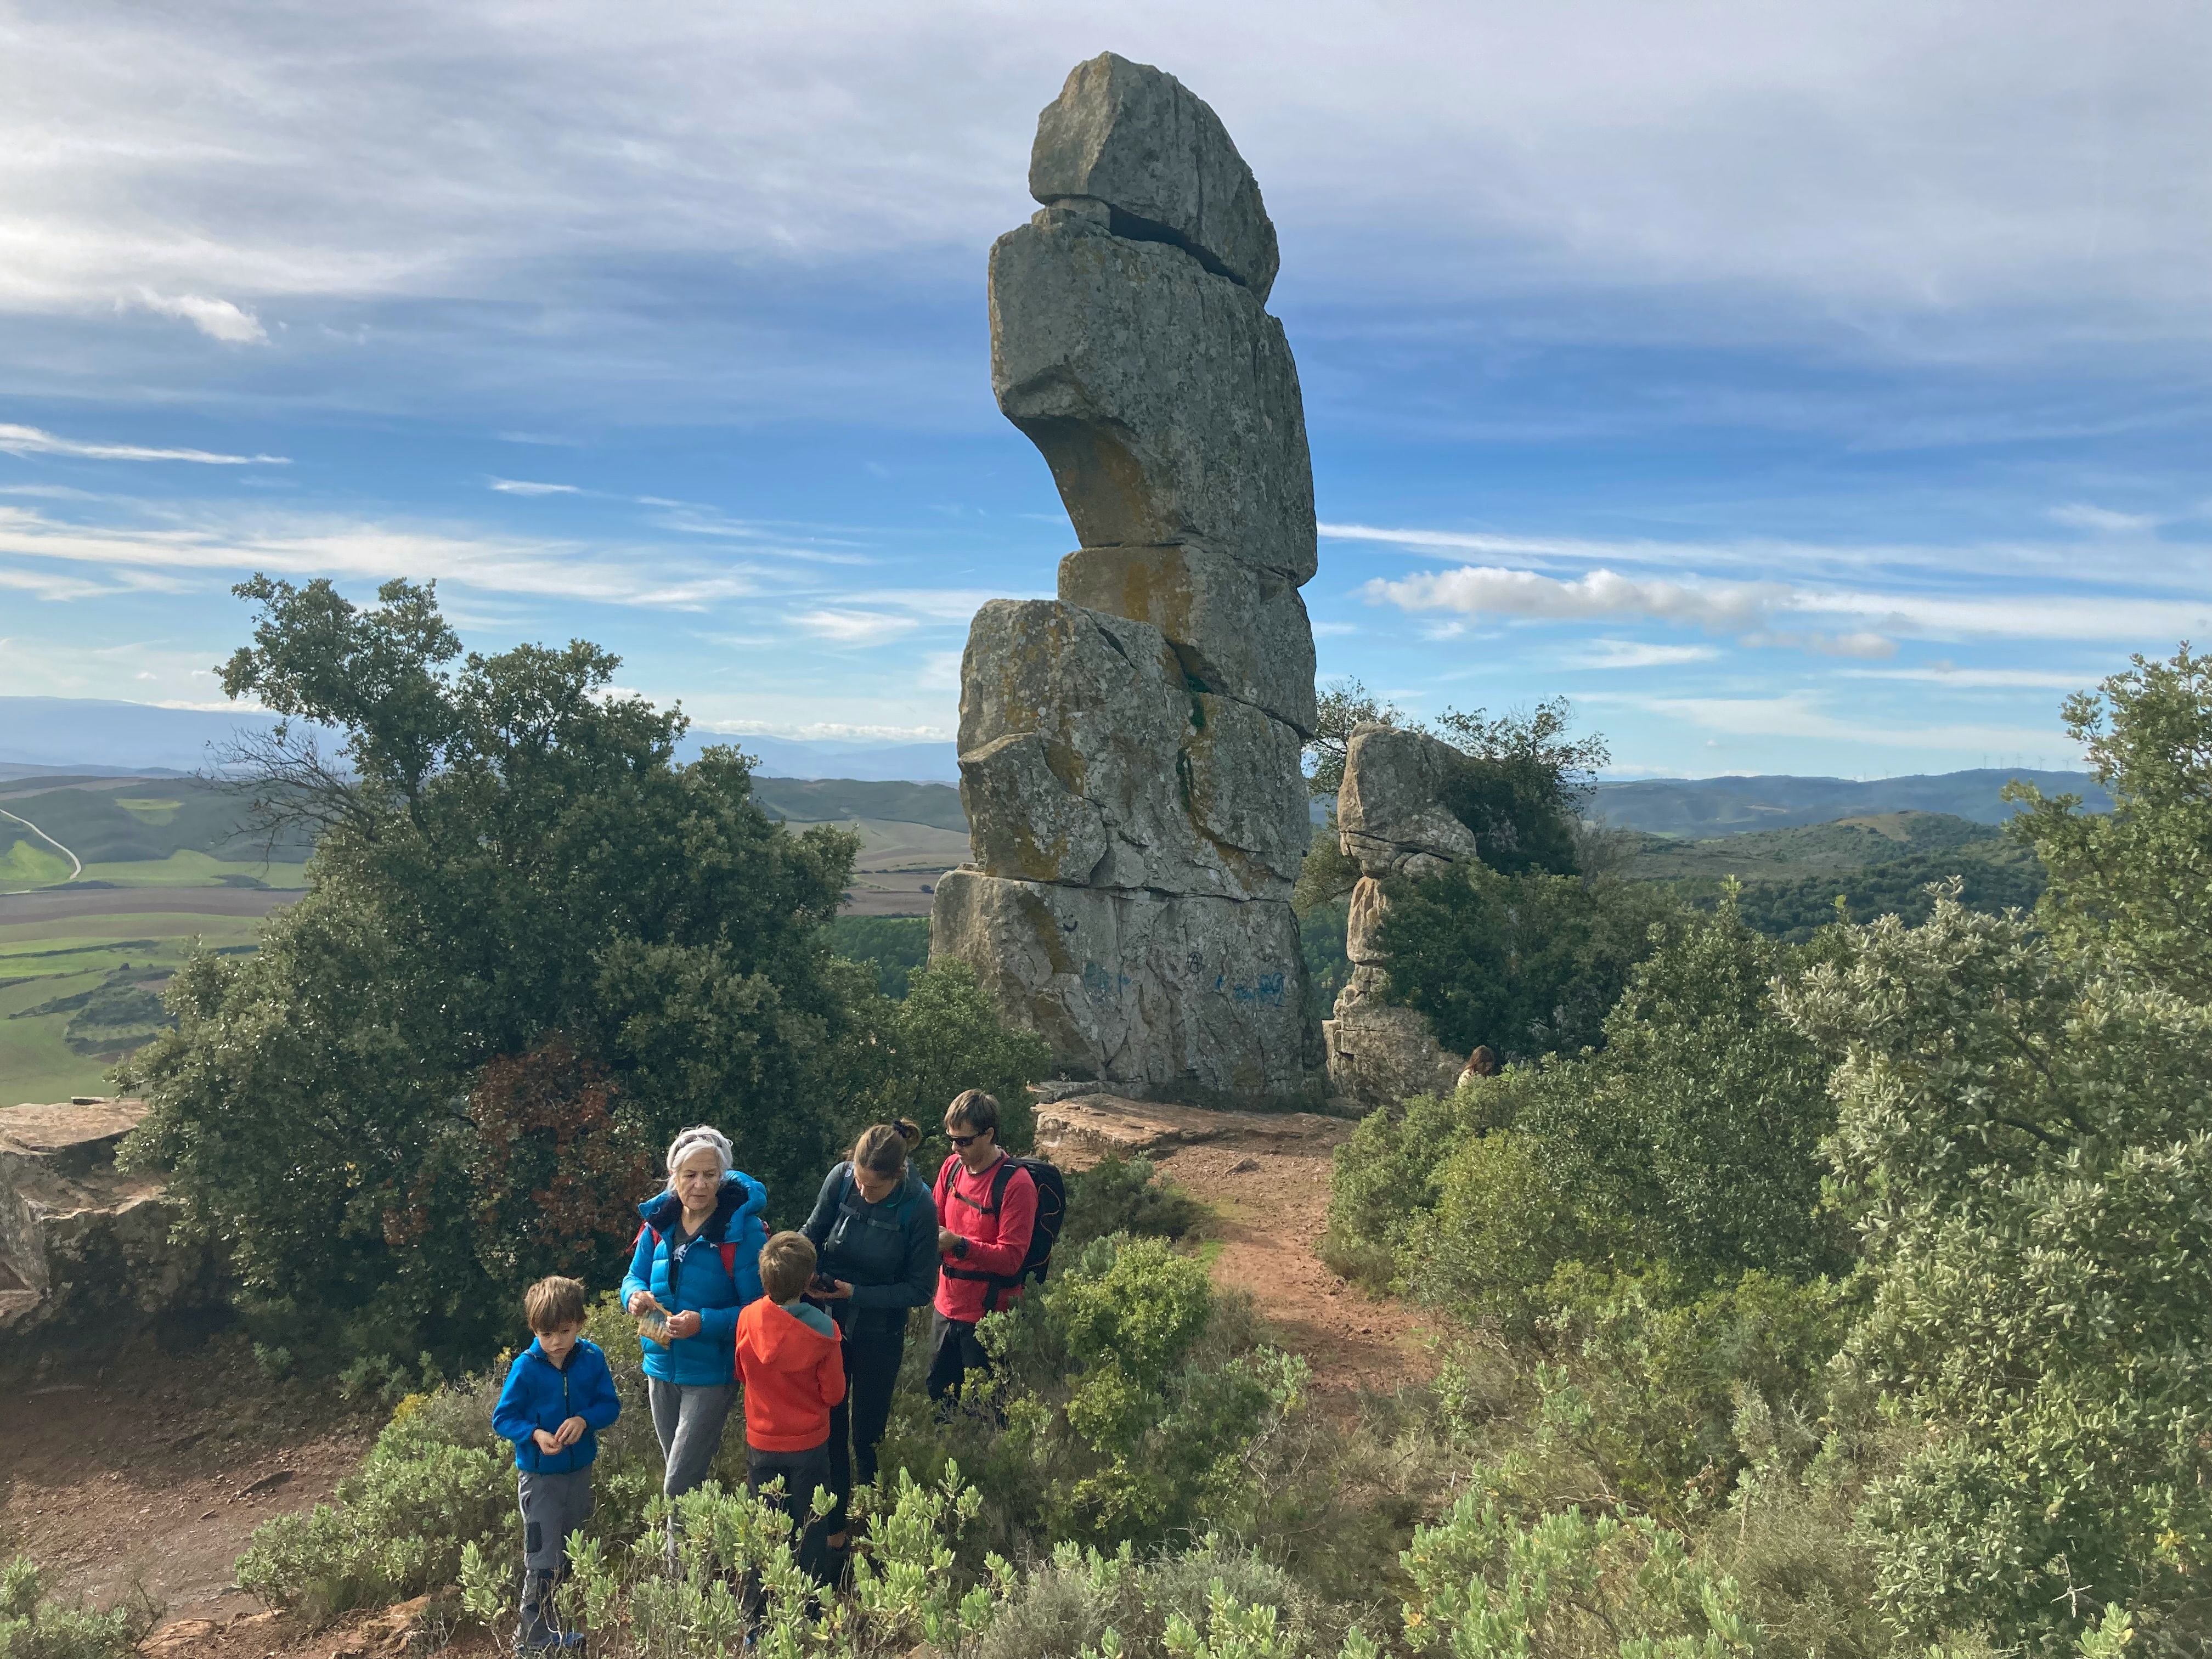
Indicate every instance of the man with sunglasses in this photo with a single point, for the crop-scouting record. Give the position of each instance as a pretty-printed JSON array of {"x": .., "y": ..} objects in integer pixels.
[{"x": 986, "y": 1208}]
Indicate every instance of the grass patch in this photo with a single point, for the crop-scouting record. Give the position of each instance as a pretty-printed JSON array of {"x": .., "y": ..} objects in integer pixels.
[
  {"x": 62, "y": 968},
  {"x": 193, "y": 869},
  {"x": 27, "y": 864}
]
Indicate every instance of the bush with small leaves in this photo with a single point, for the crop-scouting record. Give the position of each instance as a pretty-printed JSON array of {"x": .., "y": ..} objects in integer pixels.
[{"x": 33, "y": 1625}]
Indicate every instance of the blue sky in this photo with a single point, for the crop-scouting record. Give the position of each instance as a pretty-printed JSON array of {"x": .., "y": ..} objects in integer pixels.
[{"x": 1808, "y": 389}]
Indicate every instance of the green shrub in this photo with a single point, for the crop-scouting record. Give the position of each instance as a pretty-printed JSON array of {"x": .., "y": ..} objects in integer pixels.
[
  {"x": 1567, "y": 1585},
  {"x": 2023, "y": 1146},
  {"x": 33, "y": 1626},
  {"x": 1136, "y": 1400},
  {"x": 1124, "y": 1195}
]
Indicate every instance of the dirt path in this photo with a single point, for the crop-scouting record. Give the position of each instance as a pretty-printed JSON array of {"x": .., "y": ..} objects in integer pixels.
[
  {"x": 150, "y": 1474},
  {"x": 1266, "y": 1178}
]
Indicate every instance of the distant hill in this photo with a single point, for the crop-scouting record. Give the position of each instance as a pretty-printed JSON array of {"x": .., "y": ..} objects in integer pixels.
[
  {"x": 819, "y": 800},
  {"x": 96, "y": 735},
  {"x": 1694, "y": 808},
  {"x": 1808, "y": 849},
  {"x": 131, "y": 819}
]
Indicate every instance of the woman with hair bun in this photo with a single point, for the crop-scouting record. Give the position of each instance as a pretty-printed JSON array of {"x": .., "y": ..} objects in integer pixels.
[
  {"x": 874, "y": 1227},
  {"x": 696, "y": 1265}
]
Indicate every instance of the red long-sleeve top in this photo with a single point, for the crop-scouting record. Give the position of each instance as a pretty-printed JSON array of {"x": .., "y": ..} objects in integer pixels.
[{"x": 990, "y": 1243}]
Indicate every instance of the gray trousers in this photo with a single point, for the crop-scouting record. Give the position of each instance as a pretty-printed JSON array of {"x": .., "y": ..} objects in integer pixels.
[
  {"x": 688, "y": 1421},
  {"x": 553, "y": 1506}
]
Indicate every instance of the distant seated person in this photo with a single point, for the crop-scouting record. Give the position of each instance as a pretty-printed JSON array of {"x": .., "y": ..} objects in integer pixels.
[{"x": 1481, "y": 1063}]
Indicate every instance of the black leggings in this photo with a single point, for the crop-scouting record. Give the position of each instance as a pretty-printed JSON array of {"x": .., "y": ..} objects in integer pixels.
[{"x": 857, "y": 1422}]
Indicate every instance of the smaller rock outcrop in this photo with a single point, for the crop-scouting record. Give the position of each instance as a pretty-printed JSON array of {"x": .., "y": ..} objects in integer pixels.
[
  {"x": 1392, "y": 820},
  {"x": 85, "y": 1252}
]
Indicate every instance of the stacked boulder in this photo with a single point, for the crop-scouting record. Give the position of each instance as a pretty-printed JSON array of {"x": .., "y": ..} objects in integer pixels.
[
  {"x": 1129, "y": 752},
  {"x": 1391, "y": 820}
]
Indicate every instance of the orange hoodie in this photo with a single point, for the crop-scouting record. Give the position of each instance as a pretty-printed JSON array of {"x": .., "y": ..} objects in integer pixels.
[{"x": 792, "y": 1375}]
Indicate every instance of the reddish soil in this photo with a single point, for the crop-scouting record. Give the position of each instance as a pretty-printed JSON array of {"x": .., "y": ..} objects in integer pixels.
[
  {"x": 146, "y": 1476},
  {"x": 1271, "y": 1196}
]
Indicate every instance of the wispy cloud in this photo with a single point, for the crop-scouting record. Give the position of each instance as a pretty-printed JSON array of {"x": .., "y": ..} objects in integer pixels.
[
  {"x": 854, "y": 627},
  {"x": 525, "y": 487},
  {"x": 332, "y": 546},
  {"x": 219, "y": 320},
  {"x": 1636, "y": 653},
  {"x": 2081, "y": 515},
  {"x": 30, "y": 441},
  {"x": 1493, "y": 591},
  {"x": 1982, "y": 679}
]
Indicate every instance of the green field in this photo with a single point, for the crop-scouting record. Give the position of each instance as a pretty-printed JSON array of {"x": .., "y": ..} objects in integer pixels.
[
  {"x": 175, "y": 832},
  {"x": 102, "y": 964}
]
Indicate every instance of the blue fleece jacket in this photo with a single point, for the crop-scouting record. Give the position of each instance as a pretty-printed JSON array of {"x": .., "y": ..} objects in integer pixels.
[
  {"x": 540, "y": 1395},
  {"x": 700, "y": 1283}
]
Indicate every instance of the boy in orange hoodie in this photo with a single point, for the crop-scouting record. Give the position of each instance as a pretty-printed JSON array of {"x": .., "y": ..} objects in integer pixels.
[{"x": 792, "y": 1365}]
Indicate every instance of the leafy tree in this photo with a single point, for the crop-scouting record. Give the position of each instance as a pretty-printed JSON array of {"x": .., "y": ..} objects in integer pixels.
[
  {"x": 893, "y": 946},
  {"x": 510, "y": 853},
  {"x": 2024, "y": 1148},
  {"x": 2135, "y": 882},
  {"x": 1528, "y": 963},
  {"x": 946, "y": 1036},
  {"x": 1522, "y": 785},
  {"x": 1340, "y": 709}
]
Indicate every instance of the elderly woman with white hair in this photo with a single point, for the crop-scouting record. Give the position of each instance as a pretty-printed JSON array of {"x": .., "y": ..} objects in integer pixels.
[{"x": 696, "y": 1264}]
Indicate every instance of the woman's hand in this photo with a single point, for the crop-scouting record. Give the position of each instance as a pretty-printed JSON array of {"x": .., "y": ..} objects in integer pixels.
[
  {"x": 838, "y": 1290},
  {"x": 681, "y": 1325},
  {"x": 643, "y": 1302}
]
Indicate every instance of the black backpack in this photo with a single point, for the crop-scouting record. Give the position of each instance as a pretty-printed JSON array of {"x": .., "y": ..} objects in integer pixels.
[{"x": 1051, "y": 1217}]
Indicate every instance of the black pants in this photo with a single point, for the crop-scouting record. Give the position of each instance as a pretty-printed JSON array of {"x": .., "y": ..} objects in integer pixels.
[
  {"x": 872, "y": 1359},
  {"x": 802, "y": 1472},
  {"x": 953, "y": 1352}
]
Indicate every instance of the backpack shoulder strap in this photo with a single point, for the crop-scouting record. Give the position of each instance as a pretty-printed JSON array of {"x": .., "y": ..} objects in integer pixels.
[{"x": 999, "y": 1177}]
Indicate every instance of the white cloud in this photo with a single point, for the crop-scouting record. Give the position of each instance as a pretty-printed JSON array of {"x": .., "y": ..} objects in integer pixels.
[
  {"x": 1882, "y": 154},
  {"x": 853, "y": 627},
  {"x": 827, "y": 732},
  {"x": 30, "y": 441},
  {"x": 940, "y": 671},
  {"x": 524, "y": 487},
  {"x": 2103, "y": 519},
  {"x": 1492, "y": 591},
  {"x": 1636, "y": 653},
  {"x": 1989, "y": 679},
  {"x": 52, "y": 585},
  {"x": 219, "y": 320}
]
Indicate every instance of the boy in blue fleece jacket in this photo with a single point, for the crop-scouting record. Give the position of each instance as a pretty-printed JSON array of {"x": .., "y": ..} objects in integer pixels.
[{"x": 559, "y": 1394}]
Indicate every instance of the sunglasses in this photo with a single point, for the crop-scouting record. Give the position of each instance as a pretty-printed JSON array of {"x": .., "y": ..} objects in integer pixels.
[{"x": 963, "y": 1140}]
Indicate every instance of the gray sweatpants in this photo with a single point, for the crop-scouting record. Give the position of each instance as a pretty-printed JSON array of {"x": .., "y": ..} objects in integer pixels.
[
  {"x": 553, "y": 1506},
  {"x": 688, "y": 1422}
]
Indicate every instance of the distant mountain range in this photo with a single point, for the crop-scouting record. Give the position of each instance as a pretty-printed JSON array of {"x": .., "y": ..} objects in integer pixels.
[
  {"x": 911, "y": 782},
  {"x": 1698, "y": 808},
  {"x": 86, "y": 734}
]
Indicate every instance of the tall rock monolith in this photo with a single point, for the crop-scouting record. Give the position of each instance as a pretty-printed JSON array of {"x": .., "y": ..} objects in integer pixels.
[{"x": 1129, "y": 751}]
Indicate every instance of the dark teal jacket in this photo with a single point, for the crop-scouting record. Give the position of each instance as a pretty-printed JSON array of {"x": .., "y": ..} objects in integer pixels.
[{"x": 886, "y": 1252}]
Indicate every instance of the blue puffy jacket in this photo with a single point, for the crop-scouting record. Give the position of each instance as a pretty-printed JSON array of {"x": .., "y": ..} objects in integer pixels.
[
  {"x": 718, "y": 1275},
  {"x": 540, "y": 1395}
]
